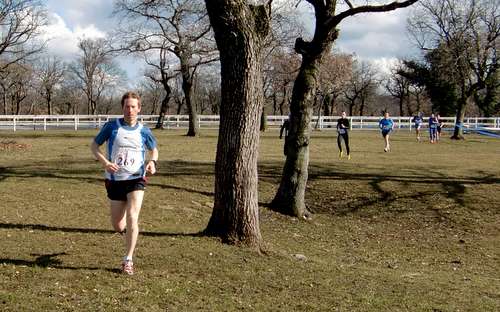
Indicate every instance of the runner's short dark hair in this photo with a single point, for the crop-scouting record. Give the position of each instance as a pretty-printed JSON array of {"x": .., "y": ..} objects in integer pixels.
[{"x": 131, "y": 95}]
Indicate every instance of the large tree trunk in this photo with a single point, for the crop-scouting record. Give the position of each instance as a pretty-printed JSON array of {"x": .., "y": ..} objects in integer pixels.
[
  {"x": 401, "y": 103},
  {"x": 164, "y": 106},
  {"x": 290, "y": 196},
  {"x": 326, "y": 104},
  {"x": 362, "y": 107},
  {"x": 187, "y": 87},
  {"x": 163, "y": 112},
  {"x": 263, "y": 121},
  {"x": 180, "y": 103},
  {"x": 49, "y": 102},
  {"x": 239, "y": 30},
  {"x": 351, "y": 108},
  {"x": 458, "y": 132},
  {"x": 4, "y": 100}
]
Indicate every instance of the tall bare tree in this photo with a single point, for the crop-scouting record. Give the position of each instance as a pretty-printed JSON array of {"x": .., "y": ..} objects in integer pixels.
[
  {"x": 360, "y": 87},
  {"x": 289, "y": 198},
  {"x": 95, "y": 70},
  {"x": 463, "y": 36},
  {"x": 336, "y": 72},
  {"x": 280, "y": 64},
  {"x": 161, "y": 74},
  {"x": 183, "y": 24},
  {"x": 240, "y": 29},
  {"x": 280, "y": 73},
  {"x": 20, "y": 23},
  {"x": 152, "y": 93},
  {"x": 50, "y": 72},
  {"x": 16, "y": 83}
]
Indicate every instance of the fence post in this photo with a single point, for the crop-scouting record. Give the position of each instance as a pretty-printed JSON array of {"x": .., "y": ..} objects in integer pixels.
[
  {"x": 76, "y": 122},
  {"x": 14, "y": 123}
]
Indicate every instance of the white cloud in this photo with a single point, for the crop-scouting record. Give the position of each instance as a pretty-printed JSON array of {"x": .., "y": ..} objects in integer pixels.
[
  {"x": 376, "y": 35},
  {"x": 63, "y": 41},
  {"x": 379, "y": 38},
  {"x": 83, "y": 12},
  {"x": 385, "y": 64}
]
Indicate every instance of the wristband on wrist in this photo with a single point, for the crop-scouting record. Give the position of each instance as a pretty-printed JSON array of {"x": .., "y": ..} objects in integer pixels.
[{"x": 154, "y": 161}]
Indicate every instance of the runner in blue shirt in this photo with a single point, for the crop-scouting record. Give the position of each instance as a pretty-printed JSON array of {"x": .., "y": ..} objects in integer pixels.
[
  {"x": 386, "y": 124},
  {"x": 125, "y": 167},
  {"x": 433, "y": 124},
  {"x": 418, "y": 120}
]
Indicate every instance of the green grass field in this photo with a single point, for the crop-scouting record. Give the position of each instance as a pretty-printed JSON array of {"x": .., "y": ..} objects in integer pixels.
[{"x": 416, "y": 229}]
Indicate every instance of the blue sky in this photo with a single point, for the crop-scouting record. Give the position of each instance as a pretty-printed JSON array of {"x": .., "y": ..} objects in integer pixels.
[{"x": 380, "y": 37}]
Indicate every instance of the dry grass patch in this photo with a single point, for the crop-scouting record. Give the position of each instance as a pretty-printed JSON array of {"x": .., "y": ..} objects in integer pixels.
[{"x": 416, "y": 229}]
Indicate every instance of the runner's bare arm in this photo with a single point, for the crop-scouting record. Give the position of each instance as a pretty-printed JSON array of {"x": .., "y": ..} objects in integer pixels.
[
  {"x": 151, "y": 164},
  {"x": 108, "y": 166}
]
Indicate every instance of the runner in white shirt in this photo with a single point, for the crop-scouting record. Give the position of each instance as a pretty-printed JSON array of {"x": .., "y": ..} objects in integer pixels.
[{"x": 125, "y": 170}]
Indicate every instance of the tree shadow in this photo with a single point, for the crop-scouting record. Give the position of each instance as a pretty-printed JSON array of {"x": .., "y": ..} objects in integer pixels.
[
  {"x": 270, "y": 172},
  {"x": 51, "y": 261},
  {"x": 453, "y": 188},
  {"x": 52, "y": 170},
  {"x": 43, "y": 227}
]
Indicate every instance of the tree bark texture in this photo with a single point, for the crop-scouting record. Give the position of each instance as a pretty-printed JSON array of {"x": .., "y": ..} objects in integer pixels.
[
  {"x": 187, "y": 88},
  {"x": 290, "y": 196},
  {"x": 163, "y": 109},
  {"x": 161, "y": 117},
  {"x": 239, "y": 32},
  {"x": 458, "y": 132}
]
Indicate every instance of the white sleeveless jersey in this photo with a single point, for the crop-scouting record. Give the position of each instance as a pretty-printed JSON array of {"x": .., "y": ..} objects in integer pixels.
[{"x": 126, "y": 148}]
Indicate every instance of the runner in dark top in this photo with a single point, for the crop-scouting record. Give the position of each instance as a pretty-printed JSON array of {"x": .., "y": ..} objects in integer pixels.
[{"x": 343, "y": 127}]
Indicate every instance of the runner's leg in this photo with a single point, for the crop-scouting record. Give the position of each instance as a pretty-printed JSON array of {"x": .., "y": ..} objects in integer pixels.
[
  {"x": 133, "y": 208},
  {"x": 117, "y": 212}
]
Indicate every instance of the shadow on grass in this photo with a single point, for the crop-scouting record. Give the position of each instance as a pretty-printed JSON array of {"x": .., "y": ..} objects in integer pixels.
[
  {"x": 270, "y": 171},
  {"x": 50, "y": 261},
  {"x": 449, "y": 187},
  {"x": 43, "y": 227},
  {"x": 53, "y": 170}
]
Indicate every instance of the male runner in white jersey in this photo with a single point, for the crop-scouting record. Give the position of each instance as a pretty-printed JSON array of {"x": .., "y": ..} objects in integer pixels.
[{"x": 125, "y": 169}]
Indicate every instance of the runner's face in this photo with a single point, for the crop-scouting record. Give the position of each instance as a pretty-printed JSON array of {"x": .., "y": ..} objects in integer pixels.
[
  {"x": 131, "y": 109},
  {"x": 343, "y": 114}
]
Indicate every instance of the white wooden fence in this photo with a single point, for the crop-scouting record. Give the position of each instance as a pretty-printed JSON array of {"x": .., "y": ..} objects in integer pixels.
[{"x": 76, "y": 122}]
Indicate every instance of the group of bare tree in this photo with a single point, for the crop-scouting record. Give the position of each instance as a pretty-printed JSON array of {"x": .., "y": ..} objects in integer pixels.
[
  {"x": 181, "y": 71},
  {"x": 461, "y": 39},
  {"x": 244, "y": 59}
]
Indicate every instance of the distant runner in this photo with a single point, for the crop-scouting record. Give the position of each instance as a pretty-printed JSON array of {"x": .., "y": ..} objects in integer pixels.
[
  {"x": 418, "y": 120},
  {"x": 342, "y": 128},
  {"x": 285, "y": 128},
  {"x": 386, "y": 125},
  {"x": 433, "y": 124},
  {"x": 440, "y": 126}
]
